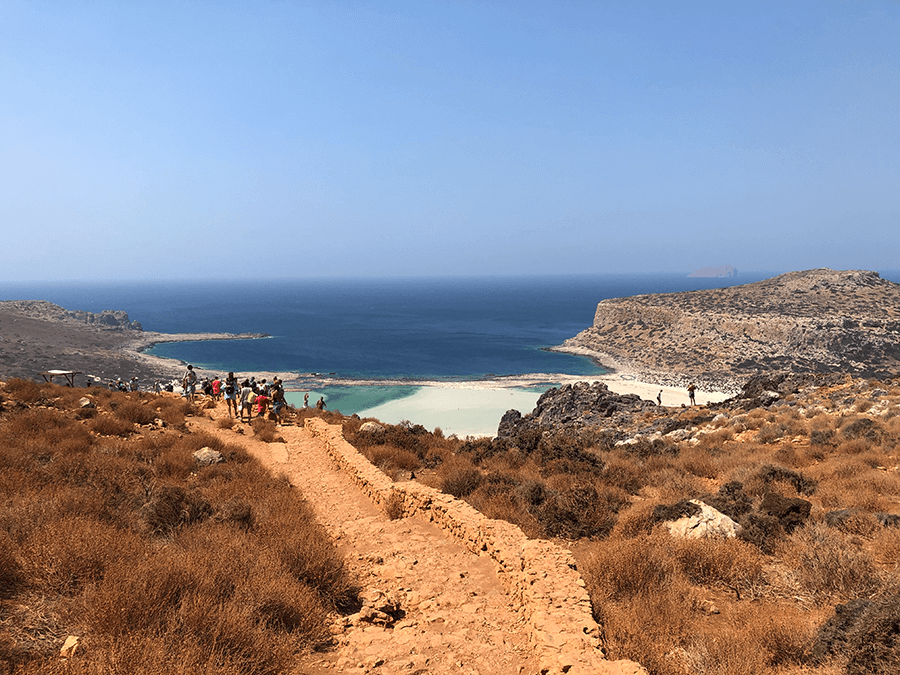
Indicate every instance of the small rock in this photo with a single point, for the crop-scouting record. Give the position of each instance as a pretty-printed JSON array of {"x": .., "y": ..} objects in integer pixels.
[
  {"x": 206, "y": 456},
  {"x": 70, "y": 647},
  {"x": 85, "y": 402}
]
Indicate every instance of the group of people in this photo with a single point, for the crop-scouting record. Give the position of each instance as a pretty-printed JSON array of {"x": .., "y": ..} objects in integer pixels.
[
  {"x": 240, "y": 397},
  {"x": 119, "y": 385}
]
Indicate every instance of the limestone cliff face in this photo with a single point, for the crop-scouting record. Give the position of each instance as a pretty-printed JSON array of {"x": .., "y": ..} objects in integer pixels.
[{"x": 813, "y": 321}]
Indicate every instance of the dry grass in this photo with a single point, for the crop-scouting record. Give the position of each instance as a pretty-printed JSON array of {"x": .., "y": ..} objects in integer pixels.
[
  {"x": 108, "y": 530},
  {"x": 779, "y": 472}
]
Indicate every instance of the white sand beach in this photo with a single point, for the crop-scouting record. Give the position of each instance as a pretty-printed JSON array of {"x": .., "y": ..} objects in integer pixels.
[{"x": 475, "y": 409}]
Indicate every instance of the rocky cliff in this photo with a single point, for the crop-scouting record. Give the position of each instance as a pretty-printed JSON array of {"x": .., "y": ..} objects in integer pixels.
[
  {"x": 47, "y": 311},
  {"x": 812, "y": 321}
]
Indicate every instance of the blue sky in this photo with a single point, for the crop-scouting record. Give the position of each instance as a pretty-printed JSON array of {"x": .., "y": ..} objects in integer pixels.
[{"x": 207, "y": 139}]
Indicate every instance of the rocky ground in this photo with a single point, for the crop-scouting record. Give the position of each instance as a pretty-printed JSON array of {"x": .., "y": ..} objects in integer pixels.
[{"x": 811, "y": 321}]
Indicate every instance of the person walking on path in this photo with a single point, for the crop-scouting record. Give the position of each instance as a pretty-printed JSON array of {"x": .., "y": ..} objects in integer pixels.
[
  {"x": 231, "y": 392},
  {"x": 306, "y": 400},
  {"x": 320, "y": 404},
  {"x": 248, "y": 396},
  {"x": 659, "y": 398},
  {"x": 277, "y": 396},
  {"x": 189, "y": 382},
  {"x": 691, "y": 390}
]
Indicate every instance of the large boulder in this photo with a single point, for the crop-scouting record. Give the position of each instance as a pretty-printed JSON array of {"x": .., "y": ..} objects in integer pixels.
[{"x": 707, "y": 524}]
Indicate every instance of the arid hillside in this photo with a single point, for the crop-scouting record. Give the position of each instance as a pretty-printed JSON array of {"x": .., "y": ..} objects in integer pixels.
[{"x": 812, "y": 321}]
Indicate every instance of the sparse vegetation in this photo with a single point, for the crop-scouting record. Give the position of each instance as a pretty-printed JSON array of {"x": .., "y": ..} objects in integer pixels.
[
  {"x": 110, "y": 530},
  {"x": 814, "y": 485}
]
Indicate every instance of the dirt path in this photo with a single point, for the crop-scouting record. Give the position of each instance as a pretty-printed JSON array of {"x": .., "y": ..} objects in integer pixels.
[{"x": 458, "y": 618}]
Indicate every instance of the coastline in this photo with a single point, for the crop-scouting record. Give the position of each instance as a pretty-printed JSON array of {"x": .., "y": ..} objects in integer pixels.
[
  {"x": 41, "y": 338},
  {"x": 667, "y": 380}
]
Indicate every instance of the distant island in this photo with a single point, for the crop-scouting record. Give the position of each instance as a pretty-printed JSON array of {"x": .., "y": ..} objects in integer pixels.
[
  {"x": 722, "y": 272},
  {"x": 822, "y": 320}
]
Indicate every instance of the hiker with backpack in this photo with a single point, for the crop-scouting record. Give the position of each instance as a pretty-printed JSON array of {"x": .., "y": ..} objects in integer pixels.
[{"x": 230, "y": 390}]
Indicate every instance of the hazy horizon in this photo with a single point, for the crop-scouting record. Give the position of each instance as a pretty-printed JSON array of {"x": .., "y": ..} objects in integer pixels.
[{"x": 177, "y": 141}]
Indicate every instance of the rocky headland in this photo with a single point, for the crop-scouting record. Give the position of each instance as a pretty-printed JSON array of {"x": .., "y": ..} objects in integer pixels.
[
  {"x": 37, "y": 336},
  {"x": 814, "y": 321}
]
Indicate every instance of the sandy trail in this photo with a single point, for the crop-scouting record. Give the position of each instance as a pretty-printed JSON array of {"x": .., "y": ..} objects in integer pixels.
[{"x": 458, "y": 618}]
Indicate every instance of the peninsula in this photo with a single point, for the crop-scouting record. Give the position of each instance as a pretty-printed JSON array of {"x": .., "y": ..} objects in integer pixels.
[
  {"x": 818, "y": 320},
  {"x": 37, "y": 336}
]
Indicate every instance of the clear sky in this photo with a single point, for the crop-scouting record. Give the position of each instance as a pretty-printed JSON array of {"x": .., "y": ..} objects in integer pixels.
[{"x": 143, "y": 140}]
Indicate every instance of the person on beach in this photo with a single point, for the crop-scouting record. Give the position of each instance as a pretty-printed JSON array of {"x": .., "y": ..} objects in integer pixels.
[
  {"x": 306, "y": 400},
  {"x": 189, "y": 382},
  {"x": 133, "y": 384},
  {"x": 247, "y": 398},
  {"x": 691, "y": 390},
  {"x": 320, "y": 404},
  {"x": 157, "y": 387},
  {"x": 230, "y": 390}
]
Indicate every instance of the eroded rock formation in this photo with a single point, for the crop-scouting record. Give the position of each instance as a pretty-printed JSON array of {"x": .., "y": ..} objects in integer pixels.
[{"x": 813, "y": 321}]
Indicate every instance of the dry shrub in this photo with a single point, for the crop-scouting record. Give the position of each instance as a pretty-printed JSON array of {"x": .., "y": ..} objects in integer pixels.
[
  {"x": 856, "y": 446},
  {"x": 174, "y": 462},
  {"x": 581, "y": 511},
  {"x": 753, "y": 642},
  {"x": 171, "y": 507},
  {"x": 173, "y": 409},
  {"x": 287, "y": 528},
  {"x": 225, "y": 423},
  {"x": 504, "y": 506},
  {"x": 109, "y": 425},
  {"x": 622, "y": 569},
  {"x": 11, "y": 575},
  {"x": 648, "y": 629},
  {"x": 65, "y": 554},
  {"x": 24, "y": 390},
  {"x": 459, "y": 477},
  {"x": 634, "y": 521},
  {"x": 699, "y": 463},
  {"x": 866, "y": 489},
  {"x": 135, "y": 412},
  {"x": 264, "y": 430},
  {"x": 625, "y": 475},
  {"x": 829, "y": 564},
  {"x": 390, "y": 459},
  {"x": 673, "y": 484},
  {"x": 393, "y": 506},
  {"x": 886, "y": 544},
  {"x": 730, "y": 563}
]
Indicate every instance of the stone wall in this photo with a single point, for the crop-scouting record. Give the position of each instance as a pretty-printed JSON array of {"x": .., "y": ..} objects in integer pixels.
[{"x": 540, "y": 577}]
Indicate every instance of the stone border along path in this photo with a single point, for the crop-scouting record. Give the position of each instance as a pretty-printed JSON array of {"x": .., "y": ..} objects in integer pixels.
[{"x": 492, "y": 601}]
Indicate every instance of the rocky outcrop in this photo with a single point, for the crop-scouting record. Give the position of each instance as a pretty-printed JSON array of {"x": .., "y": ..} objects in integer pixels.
[
  {"x": 47, "y": 311},
  {"x": 816, "y": 321},
  {"x": 576, "y": 405}
]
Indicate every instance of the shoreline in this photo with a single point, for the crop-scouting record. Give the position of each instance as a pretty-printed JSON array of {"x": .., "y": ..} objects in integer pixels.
[
  {"x": 471, "y": 407},
  {"x": 629, "y": 370}
]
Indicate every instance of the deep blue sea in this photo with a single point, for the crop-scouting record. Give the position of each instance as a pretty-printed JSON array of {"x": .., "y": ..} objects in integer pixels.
[{"x": 420, "y": 329}]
